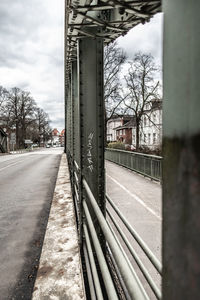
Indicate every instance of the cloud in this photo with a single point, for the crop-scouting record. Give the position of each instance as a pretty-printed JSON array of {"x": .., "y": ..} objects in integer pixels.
[
  {"x": 145, "y": 38},
  {"x": 32, "y": 51}
]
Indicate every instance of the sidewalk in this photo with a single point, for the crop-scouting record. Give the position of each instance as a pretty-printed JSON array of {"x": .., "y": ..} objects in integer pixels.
[{"x": 60, "y": 274}]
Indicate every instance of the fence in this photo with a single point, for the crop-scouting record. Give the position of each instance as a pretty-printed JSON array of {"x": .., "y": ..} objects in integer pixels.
[{"x": 145, "y": 164}]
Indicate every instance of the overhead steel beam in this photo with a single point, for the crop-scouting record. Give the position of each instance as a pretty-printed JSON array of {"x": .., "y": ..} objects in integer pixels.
[{"x": 113, "y": 17}]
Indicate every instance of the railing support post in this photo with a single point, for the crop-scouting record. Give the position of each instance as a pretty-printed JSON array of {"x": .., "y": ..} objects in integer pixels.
[
  {"x": 181, "y": 150},
  {"x": 90, "y": 82}
]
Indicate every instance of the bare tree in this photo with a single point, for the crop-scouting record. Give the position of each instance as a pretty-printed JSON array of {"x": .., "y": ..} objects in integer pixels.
[
  {"x": 27, "y": 109},
  {"x": 114, "y": 58},
  {"x": 21, "y": 114},
  {"x": 141, "y": 88},
  {"x": 3, "y": 98},
  {"x": 44, "y": 129},
  {"x": 13, "y": 111}
]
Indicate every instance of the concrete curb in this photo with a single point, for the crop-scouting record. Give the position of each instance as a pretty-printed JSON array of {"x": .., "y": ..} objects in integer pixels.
[{"x": 60, "y": 273}]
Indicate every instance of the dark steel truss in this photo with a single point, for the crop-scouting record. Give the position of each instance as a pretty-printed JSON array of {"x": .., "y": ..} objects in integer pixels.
[{"x": 105, "y": 19}]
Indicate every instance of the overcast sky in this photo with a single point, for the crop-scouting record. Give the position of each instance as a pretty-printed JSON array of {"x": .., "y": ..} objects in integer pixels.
[{"x": 32, "y": 55}]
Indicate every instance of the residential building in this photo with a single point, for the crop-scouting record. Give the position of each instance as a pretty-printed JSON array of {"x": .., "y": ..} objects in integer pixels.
[
  {"x": 151, "y": 126},
  {"x": 55, "y": 137},
  {"x": 113, "y": 123},
  {"x": 62, "y": 138},
  {"x": 124, "y": 132}
]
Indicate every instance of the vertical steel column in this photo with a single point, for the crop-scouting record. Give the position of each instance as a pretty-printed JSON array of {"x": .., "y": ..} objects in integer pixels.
[
  {"x": 90, "y": 80},
  {"x": 181, "y": 147},
  {"x": 68, "y": 116},
  {"x": 72, "y": 118},
  {"x": 76, "y": 121},
  {"x": 76, "y": 146},
  {"x": 65, "y": 74}
]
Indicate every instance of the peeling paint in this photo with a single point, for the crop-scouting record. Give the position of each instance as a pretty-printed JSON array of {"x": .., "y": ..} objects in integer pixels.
[{"x": 60, "y": 274}]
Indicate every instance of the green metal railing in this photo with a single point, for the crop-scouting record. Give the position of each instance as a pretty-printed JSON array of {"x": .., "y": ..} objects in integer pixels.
[
  {"x": 145, "y": 164},
  {"x": 155, "y": 262},
  {"x": 95, "y": 254}
]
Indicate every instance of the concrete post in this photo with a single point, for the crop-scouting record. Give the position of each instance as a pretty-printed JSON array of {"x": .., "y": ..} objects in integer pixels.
[{"x": 181, "y": 147}]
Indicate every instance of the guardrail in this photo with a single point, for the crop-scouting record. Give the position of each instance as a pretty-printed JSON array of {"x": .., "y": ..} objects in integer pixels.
[
  {"x": 155, "y": 262},
  {"x": 145, "y": 164},
  {"x": 100, "y": 262},
  {"x": 131, "y": 280}
]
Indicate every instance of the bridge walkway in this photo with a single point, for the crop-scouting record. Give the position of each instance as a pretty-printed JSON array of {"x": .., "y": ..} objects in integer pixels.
[{"x": 140, "y": 201}]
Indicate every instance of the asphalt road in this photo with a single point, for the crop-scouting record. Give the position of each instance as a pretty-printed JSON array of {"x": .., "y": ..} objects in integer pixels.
[
  {"x": 139, "y": 199},
  {"x": 27, "y": 183}
]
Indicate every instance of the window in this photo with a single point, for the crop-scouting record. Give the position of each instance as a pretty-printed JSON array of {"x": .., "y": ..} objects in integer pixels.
[
  {"x": 149, "y": 138},
  {"x": 154, "y": 138},
  {"x": 145, "y": 138},
  {"x": 145, "y": 121},
  {"x": 134, "y": 139}
]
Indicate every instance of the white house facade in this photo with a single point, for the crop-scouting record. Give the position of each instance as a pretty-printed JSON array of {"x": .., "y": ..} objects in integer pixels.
[{"x": 150, "y": 127}]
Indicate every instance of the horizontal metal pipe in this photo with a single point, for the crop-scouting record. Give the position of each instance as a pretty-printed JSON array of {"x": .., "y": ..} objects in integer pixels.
[
  {"x": 137, "y": 259},
  {"x": 76, "y": 165},
  {"x": 76, "y": 192},
  {"x": 93, "y": 265},
  {"x": 130, "y": 281},
  {"x": 136, "y": 236},
  {"x": 119, "y": 275},
  {"x": 127, "y": 259},
  {"x": 76, "y": 177},
  {"x": 89, "y": 275},
  {"x": 112, "y": 295}
]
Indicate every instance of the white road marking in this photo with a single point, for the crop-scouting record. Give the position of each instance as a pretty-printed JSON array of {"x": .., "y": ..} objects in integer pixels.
[
  {"x": 10, "y": 165},
  {"x": 136, "y": 198}
]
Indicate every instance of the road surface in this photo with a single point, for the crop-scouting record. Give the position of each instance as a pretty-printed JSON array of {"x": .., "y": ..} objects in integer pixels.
[
  {"x": 139, "y": 199},
  {"x": 27, "y": 183}
]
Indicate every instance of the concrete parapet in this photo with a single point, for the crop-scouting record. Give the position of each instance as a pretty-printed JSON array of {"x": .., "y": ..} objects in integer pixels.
[{"x": 60, "y": 274}]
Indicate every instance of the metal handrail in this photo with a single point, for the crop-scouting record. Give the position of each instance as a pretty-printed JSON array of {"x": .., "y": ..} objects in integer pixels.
[
  {"x": 117, "y": 271},
  {"x": 112, "y": 295},
  {"x": 129, "y": 278},
  {"x": 89, "y": 273},
  {"x": 76, "y": 165},
  {"x": 144, "y": 164},
  {"x": 92, "y": 263},
  {"x": 156, "y": 263},
  {"x": 137, "y": 259},
  {"x": 135, "y": 153},
  {"x": 127, "y": 259}
]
